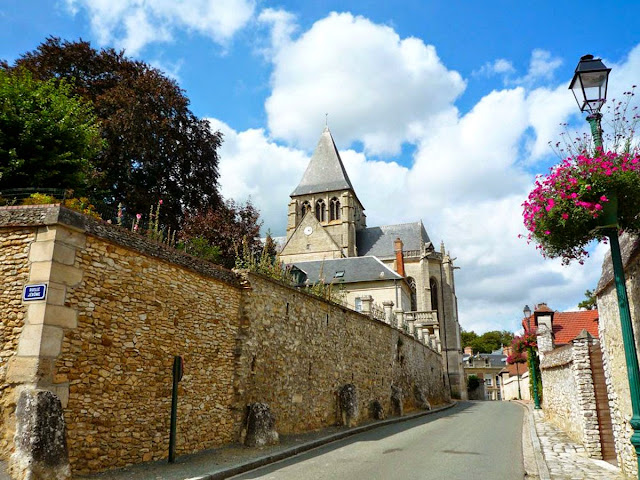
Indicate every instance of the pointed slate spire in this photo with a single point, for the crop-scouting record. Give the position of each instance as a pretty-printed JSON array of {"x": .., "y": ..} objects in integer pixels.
[{"x": 325, "y": 171}]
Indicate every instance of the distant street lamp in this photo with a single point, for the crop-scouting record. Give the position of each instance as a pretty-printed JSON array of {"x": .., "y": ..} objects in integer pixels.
[
  {"x": 532, "y": 360},
  {"x": 589, "y": 86}
]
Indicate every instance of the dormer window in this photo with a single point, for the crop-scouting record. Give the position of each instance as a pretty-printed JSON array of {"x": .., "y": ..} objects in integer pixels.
[
  {"x": 334, "y": 209},
  {"x": 321, "y": 211},
  {"x": 339, "y": 274}
]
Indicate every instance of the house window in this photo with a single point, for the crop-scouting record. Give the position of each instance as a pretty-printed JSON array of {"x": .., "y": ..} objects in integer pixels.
[
  {"x": 334, "y": 209},
  {"x": 321, "y": 212},
  {"x": 358, "y": 302},
  {"x": 489, "y": 382},
  {"x": 306, "y": 207}
]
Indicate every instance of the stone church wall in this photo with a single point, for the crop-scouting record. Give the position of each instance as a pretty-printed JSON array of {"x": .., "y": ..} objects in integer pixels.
[{"x": 120, "y": 307}]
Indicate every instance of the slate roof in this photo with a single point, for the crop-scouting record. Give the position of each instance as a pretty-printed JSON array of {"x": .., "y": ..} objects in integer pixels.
[
  {"x": 325, "y": 171},
  {"x": 378, "y": 241},
  {"x": 568, "y": 325},
  {"x": 356, "y": 269}
]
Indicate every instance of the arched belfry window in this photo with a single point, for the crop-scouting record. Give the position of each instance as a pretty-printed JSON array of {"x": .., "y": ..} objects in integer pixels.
[
  {"x": 334, "y": 209},
  {"x": 321, "y": 211},
  {"x": 306, "y": 207},
  {"x": 433, "y": 285}
]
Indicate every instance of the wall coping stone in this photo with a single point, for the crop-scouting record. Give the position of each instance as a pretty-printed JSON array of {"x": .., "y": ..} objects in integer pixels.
[{"x": 46, "y": 215}]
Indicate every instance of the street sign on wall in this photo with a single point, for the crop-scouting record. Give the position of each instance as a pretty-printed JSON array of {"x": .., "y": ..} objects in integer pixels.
[{"x": 34, "y": 292}]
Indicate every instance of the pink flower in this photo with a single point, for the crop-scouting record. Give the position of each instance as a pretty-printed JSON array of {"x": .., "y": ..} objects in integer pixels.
[
  {"x": 138, "y": 216},
  {"x": 598, "y": 206},
  {"x": 565, "y": 216},
  {"x": 160, "y": 202},
  {"x": 604, "y": 198},
  {"x": 547, "y": 232}
]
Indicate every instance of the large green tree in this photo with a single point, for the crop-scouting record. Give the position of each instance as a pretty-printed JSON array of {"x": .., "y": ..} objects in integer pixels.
[
  {"x": 155, "y": 146},
  {"x": 48, "y": 136}
]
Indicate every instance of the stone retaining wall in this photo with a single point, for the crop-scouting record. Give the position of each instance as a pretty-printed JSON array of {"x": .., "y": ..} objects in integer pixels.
[{"x": 119, "y": 307}]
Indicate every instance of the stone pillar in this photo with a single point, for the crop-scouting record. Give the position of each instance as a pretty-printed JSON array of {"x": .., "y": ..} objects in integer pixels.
[
  {"x": 52, "y": 262},
  {"x": 40, "y": 440},
  {"x": 586, "y": 396},
  {"x": 400, "y": 319},
  {"x": 388, "y": 312},
  {"x": 544, "y": 339},
  {"x": 367, "y": 302}
]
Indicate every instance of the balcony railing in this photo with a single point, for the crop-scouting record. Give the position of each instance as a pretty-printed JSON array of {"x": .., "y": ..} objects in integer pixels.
[{"x": 427, "y": 317}]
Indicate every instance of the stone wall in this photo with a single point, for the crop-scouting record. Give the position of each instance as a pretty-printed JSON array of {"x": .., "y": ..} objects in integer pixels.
[
  {"x": 120, "y": 307},
  {"x": 568, "y": 390},
  {"x": 298, "y": 350},
  {"x": 613, "y": 350},
  {"x": 14, "y": 273}
]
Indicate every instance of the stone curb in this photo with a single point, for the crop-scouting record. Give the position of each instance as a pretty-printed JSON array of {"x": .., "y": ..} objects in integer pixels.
[
  {"x": 534, "y": 463},
  {"x": 276, "y": 457}
]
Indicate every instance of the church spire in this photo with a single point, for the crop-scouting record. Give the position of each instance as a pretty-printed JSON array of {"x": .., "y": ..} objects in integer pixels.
[{"x": 325, "y": 171}]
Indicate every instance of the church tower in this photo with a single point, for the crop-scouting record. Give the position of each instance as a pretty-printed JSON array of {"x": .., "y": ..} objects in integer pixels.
[{"x": 324, "y": 211}]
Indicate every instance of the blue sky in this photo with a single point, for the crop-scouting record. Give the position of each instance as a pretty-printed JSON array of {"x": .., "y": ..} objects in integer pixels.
[{"x": 442, "y": 110}]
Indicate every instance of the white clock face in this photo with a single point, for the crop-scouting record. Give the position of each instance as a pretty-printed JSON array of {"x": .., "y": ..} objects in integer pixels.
[{"x": 308, "y": 230}]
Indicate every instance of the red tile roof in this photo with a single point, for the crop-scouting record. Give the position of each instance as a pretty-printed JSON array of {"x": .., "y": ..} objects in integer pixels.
[{"x": 568, "y": 325}]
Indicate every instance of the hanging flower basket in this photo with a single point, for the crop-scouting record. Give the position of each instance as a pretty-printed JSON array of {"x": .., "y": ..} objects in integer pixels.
[{"x": 579, "y": 199}]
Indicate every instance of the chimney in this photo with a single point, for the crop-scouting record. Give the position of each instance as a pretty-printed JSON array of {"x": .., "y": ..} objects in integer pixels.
[
  {"x": 468, "y": 350},
  {"x": 397, "y": 246}
]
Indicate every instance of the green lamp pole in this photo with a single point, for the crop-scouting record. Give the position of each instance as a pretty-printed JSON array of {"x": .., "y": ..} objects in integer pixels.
[
  {"x": 532, "y": 361},
  {"x": 589, "y": 86}
]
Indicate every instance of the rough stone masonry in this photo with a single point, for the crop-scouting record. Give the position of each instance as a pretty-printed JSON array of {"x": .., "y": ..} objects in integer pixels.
[{"x": 119, "y": 308}]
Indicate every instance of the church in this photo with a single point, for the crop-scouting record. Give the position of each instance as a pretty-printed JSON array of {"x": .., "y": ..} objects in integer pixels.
[{"x": 386, "y": 267}]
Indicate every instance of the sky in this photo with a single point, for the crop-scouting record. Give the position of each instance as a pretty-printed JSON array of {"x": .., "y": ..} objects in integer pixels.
[{"x": 442, "y": 111}]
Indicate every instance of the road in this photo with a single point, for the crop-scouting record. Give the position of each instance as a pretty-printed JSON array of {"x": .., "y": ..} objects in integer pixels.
[{"x": 474, "y": 440}]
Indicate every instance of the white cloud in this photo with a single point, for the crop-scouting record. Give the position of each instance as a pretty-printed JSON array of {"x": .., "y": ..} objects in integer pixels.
[
  {"x": 132, "y": 24},
  {"x": 471, "y": 172},
  {"x": 253, "y": 166},
  {"x": 542, "y": 67},
  {"x": 282, "y": 25},
  {"x": 499, "y": 66},
  {"x": 374, "y": 85}
]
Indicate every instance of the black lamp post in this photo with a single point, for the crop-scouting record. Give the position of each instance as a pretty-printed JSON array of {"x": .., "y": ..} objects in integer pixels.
[
  {"x": 532, "y": 360},
  {"x": 589, "y": 86}
]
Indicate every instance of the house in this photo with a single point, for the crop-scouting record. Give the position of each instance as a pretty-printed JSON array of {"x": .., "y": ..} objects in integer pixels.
[
  {"x": 390, "y": 266},
  {"x": 486, "y": 367},
  {"x": 515, "y": 382}
]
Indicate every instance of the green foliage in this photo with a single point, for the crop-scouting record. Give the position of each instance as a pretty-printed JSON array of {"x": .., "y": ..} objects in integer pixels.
[
  {"x": 48, "y": 136},
  {"x": 473, "y": 382},
  {"x": 487, "y": 342},
  {"x": 533, "y": 362},
  {"x": 262, "y": 263},
  {"x": 200, "y": 247},
  {"x": 155, "y": 146},
  {"x": 82, "y": 204},
  {"x": 590, "y": 302}
]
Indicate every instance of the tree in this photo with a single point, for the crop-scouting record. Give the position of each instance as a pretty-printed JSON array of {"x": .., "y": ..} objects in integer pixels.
[
  {"x": 156, "y": 147},
  {"x": 590, "y": 302},
  {"x": 225, "y": 227},
  {"x": 48, "y": 137},
  {"x": 487, "y": 342}
]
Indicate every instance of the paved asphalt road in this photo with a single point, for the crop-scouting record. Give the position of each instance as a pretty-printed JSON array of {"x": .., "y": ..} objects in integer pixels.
[{"x": 472, "y": 441}]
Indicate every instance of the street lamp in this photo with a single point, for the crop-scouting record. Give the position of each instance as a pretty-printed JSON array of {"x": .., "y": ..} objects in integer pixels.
[
  {"x": 592, "y": 76},
  {"x": 589, "y": 87},
  {"x": 534, "y": 379}
]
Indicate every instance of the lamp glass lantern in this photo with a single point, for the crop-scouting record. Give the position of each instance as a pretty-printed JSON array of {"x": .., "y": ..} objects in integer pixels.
[{"x": 589, "y": 84}]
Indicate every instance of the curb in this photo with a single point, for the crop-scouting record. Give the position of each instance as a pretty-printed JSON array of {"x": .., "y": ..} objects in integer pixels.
[
  {"x": 276, "y": 457},
  {"x": 535, "y": 465}
]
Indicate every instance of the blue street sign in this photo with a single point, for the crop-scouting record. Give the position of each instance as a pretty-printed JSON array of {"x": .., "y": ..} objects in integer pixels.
[{"x": 34, "y": 292}]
